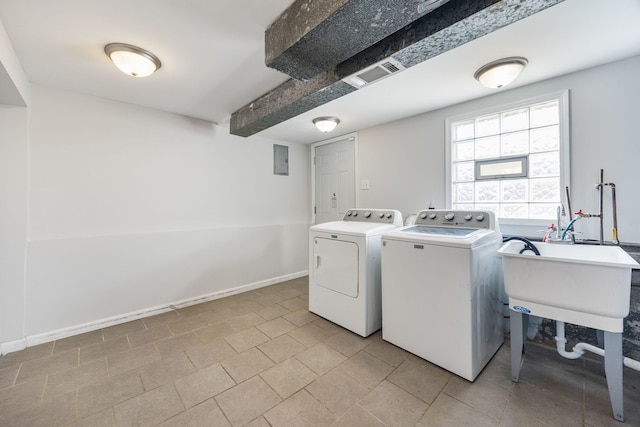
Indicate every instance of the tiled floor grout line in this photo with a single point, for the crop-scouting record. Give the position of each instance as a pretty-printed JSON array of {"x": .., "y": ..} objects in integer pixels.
[
  {"x": 44, "y": 388},
  {"x": 15, "y": 378}
]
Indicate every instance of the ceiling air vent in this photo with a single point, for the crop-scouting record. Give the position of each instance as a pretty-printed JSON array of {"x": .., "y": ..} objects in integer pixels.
[{"x": 374, "y": 73}]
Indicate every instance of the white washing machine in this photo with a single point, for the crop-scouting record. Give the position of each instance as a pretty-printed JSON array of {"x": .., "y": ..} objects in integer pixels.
[
  {"x": 344, "y": 268},
  {"x": 442, "y": 288}
]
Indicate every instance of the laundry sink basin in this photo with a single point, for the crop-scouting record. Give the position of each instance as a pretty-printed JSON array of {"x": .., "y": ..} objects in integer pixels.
[{"x": 580, "y": 284}]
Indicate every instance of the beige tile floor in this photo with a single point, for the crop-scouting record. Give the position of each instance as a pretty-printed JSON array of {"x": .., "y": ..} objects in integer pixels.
[{"x": 261, "y": 358}]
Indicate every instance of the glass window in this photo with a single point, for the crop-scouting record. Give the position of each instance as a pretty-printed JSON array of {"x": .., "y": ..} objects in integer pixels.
[{"x": 513, "y": 160}]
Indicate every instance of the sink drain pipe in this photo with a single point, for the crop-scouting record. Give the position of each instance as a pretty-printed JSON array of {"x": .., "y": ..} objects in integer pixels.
[{"x": 580, "y": 348}]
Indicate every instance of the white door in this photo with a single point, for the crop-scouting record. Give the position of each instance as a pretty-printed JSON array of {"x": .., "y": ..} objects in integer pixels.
[
  {"x": 335, "y": 265},
  {"x": 335, "y": 180}
]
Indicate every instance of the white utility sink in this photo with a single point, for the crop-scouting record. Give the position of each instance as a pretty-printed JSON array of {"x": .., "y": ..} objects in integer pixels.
[{"x": 579, "y": 284}]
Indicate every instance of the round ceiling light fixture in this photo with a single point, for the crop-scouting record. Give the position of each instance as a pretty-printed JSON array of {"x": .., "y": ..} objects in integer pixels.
[
  {"x": 132, "y": 60},
  {"x": 326, "y": 124},
  {"x": 500, "y": 73}
]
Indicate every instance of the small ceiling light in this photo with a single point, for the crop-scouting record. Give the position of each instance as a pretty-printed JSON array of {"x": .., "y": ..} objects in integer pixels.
[
  {"x": 132, "y": 60},
  {"x": 326, "y": 124},
  {"x": 500, "y": 73}
]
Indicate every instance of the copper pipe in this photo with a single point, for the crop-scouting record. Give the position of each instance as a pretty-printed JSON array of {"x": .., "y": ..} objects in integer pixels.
[
  {"x": 569, "y": 204},
  {"x": 615, "y": 238},
  {"x": 600, "y": 186}
]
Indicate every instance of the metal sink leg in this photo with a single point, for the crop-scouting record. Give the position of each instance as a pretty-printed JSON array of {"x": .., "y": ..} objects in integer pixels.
[
  {"x": 519, "y": 323},
  {"x": 613, "y": 367}
]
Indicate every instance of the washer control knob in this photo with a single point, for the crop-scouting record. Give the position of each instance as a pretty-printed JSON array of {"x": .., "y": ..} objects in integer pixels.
[
  {"x": 449, "y": 216},
  {"x": 349, "y": 213},
  {"x": 468, "y": 217},
  {"x": 423, "y": 215},
  {"x": 480, "y": 218},
  {"x": 389, "y": 215},
  {"x": 367, "y": 214},
  {"x": 381, "y": 215},
  {"x": 432, "y": 216},
  {"x": 355, "y": 213}
]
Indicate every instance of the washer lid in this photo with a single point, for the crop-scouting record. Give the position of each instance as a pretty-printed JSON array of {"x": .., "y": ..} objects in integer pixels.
[{"x": 444, "y": 236}]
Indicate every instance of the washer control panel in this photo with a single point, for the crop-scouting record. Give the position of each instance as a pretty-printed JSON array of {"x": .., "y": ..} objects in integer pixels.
[
  {"x": 385, "y": 216},
  {"x": 457, "y": 218}
]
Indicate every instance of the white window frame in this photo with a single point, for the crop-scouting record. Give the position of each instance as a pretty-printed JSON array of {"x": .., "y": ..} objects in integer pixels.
[{"x": 521, "y": 225}]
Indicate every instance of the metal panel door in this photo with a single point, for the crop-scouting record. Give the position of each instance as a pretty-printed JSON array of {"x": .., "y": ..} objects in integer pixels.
[{"x": 335, "y": 265}]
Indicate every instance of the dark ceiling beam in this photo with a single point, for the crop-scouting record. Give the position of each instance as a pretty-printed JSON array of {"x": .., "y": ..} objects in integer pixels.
[
  {"x": 288, "y": 100},
  {"x": 452, "y": 25},
  {"x": 313, "y": 36}
]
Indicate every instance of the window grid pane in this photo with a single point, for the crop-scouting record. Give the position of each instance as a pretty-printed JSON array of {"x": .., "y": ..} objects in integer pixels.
[
  {"x": 487, "y": 125},
  {"x": 546, "y": 113},
  {"x": 464, "y": 172},
  {"x": 532, "y": 131},
  {"x": 487, "y": 147},
  {"x": 463, "y": 150},
  {"x": 463, "y": 130},
  {"x": 515, "y": 120},
  {"x": 514, "y": 143}
]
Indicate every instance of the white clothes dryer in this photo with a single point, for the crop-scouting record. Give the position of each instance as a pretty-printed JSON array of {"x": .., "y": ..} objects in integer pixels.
[
  {"x": 344, "y": 268},
  {"x": 442, "y": 289}
]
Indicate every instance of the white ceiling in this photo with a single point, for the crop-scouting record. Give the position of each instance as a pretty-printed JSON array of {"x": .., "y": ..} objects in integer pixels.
[{"x": 212, "y": 55}]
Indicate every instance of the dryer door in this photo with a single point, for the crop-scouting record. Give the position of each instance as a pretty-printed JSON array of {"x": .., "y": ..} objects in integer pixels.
[{"x": 335, "y": 265}]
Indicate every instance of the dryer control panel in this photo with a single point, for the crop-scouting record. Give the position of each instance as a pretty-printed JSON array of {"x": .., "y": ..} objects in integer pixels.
[
  {"x": 457, "y": 218},
  {"x": 384, "y": 216}
]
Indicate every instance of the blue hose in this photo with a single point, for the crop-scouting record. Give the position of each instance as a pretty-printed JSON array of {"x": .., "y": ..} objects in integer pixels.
[
  {"x": 564, "y": 233},
  {"x": 528, "y": 246}
]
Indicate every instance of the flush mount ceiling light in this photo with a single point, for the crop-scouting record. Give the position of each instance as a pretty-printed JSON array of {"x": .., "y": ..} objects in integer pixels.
[
  {"x": 132, "y": 60},
  {"x": 326, "y": 124},
  {"x": 500, "y": 73}
]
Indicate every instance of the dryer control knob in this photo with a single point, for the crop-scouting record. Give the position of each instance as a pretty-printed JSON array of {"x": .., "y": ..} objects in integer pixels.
[
  {"x": 389, "y": 215},
  {"x": 355, "y": 214},
  {"x": 480, "y": 218},
  {"x": 449, "y": 216},
  {"x": 367, "y": 214},
  {"x": 432, "y": 216},
  {"x": 349, "y": 213},
  {"x": 468, "y": 217},
  {"x": 423, "y": 215},
  {"x": 381, "y": 215}
]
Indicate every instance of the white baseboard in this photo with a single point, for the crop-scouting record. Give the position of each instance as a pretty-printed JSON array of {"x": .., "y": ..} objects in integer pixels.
[
  {"x": 238, "y": 289},
  {"x": 17, "y": 345},
  {"x": 11, "y": 346},
  {"x": 94, "y": 325}
]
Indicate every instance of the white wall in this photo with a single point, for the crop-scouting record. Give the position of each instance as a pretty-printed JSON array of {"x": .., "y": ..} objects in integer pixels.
[
  {"x": 405, "y": 160},
  {"x": 101, "y": 167},
  {"x": 133, "y": 209},
  {"x": 14, "y": 93},
  {"x": 13, "y": 219}
]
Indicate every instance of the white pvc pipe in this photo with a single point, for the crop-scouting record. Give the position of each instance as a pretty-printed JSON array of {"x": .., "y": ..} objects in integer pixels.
[
  {"x": 580, "y": 348},
  {"x": 631, "y": 363},
  {"x": 561, "y": 342}
]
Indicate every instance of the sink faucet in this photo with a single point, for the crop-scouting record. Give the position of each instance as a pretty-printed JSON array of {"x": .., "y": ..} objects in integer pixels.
[{"x": 560, "y": 235}]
